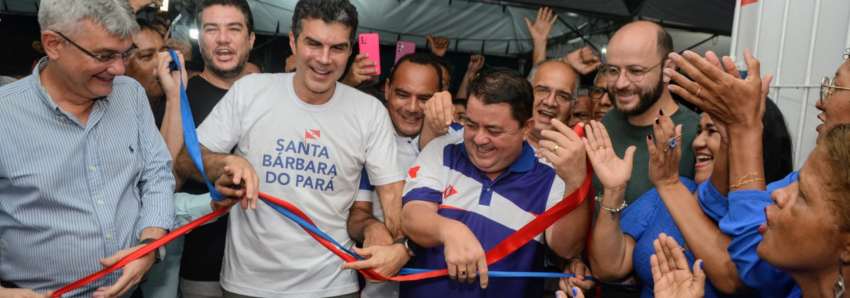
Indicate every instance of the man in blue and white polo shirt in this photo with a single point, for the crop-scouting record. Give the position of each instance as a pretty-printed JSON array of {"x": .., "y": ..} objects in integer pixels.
[{"x": 466, "y": 194}]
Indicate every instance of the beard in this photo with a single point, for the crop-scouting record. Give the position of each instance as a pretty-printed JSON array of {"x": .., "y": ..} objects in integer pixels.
[
  {"x": 645, "y": 99},
  {"x": 226, "y": 73}
]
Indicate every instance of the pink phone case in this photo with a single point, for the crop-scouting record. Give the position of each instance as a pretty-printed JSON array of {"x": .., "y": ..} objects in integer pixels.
[
  {"x": 369, "y": 43},
  {"x": 403, "y": 48}
]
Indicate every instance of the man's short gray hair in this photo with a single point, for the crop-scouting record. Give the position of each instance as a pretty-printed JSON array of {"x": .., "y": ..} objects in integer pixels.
[
  {"x": 537, "y": 66},
  {"x": 116, "y": 16}
]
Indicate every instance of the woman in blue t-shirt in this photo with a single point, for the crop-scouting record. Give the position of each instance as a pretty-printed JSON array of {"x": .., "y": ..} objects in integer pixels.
[
  {"x": 666, "y": 209},
  {"x": 807, "y": 233}
]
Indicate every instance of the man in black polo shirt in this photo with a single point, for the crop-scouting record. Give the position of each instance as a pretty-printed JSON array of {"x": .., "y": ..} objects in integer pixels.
[{"x": 226, "y": 38}]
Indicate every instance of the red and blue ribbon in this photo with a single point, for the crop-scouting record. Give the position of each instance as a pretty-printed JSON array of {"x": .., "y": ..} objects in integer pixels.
[{"x": 503, "y": 249}]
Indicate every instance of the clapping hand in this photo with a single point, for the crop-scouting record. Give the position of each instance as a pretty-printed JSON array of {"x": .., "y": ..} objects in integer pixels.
[
  {"x": 670, "y": 272},
  {"x": 721, "y": 92},
  {"x": 612, "y": 171},
  {"x": 665, "y": 151}
]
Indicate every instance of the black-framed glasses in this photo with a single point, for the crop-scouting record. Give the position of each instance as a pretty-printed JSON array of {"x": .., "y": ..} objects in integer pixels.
[
  {"x": 102, "y": 58},
  {"x": 825, "y": 85},
  {"x": 634, "y": 73},
  {"x": 545, "y": 92},
  {"x": 596, "y": 92}
]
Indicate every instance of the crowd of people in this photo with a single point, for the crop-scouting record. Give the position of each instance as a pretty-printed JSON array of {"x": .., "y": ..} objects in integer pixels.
[{"x": 404, "y": 171}]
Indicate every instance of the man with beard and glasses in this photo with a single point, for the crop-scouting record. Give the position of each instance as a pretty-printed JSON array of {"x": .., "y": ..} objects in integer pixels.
[
  {"x": 225, "y": 40},
  {"x": 636, "y": 58}
]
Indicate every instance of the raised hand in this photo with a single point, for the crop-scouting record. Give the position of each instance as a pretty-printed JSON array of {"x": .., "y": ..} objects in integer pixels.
[
  {"x": 670, "y": 271},
  {"x": 564, "y": 149},
  {"x": 665, "y": 151},
  {"x": 358, "y": 71},
  {"x": 726, "y": 97},
  {"x": 171, "y": 79},
  {"x": 612, "y": 171},
  {"x": 542, "y": 25},
  {"x": 439, "y": 45},
  {"x": 439, "y": 112},
  {"x": 583, "y": 60},
  {"x": 476, "y": 62}
]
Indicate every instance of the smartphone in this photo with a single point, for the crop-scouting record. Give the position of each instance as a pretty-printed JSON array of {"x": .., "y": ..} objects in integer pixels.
[
  {"x": 369, "y": 43},
  {"x": 403, "y": 48}
]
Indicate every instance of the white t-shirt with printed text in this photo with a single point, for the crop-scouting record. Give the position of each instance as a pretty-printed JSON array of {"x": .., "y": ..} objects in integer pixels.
[{"x": 310, "y": 156}]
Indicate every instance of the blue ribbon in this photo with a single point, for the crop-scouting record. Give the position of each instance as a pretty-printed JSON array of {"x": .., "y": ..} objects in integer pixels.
[{"x": 190, "y": 137}]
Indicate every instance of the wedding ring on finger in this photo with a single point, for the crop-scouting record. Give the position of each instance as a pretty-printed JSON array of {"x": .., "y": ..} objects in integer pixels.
[
  {"x": 555, "y": 150},
  {"x": 698, "y": 91},
  {"x": 461, "y": 273}
]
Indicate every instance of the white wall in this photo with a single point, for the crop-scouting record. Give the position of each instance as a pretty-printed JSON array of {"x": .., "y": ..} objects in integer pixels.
[{"x": 812, "y": 46}]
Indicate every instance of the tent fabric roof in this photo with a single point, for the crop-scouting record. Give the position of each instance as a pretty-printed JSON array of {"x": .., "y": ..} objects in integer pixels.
[{"x": 493, "y": 27}]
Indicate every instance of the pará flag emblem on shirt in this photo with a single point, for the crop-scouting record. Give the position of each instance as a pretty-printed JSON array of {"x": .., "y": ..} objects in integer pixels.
[
  {"x": 312, "y": 134},
  {"x": 449, "y": 192}
]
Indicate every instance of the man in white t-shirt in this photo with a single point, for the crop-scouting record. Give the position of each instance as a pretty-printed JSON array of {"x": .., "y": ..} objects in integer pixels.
[
  {"x": 414, "y": 80},
  {"x": 308, "y": 138}
]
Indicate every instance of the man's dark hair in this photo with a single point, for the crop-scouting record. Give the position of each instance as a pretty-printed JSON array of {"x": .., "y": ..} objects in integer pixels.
[
  {"x": 459, "y": 101},
  {"x": 145, "y": 25},
  {"x": 329, "y": 11},
  {"x": 421, "y": 59},
  {"x": 665, "y": 43},
  {"x": 499, "y": 84},
  {"x": 241, "y": 5}
]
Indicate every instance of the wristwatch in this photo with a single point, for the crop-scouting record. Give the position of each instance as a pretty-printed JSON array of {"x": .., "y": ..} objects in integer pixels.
[
  {"x": 159, "y": 252},
  {"x": 408, "y": 245}
]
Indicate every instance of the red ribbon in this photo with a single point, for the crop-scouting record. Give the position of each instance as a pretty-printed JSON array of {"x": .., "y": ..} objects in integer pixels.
[
  {"x": 501, "y": 250},
  {"x": 141, "y": 252}
]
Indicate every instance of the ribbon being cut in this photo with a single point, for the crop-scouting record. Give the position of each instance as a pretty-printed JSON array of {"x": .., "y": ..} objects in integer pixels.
[{"x": 503, "y": 249}]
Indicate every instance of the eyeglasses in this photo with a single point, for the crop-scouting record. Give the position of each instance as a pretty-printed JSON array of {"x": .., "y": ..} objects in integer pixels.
[
  {"x": 103, "y": 58},
  {"x": 596, "y": 92},
  {"x": 545, "y": 92},
  {"x": 633, "y": 73},
  {"x": 825, "y": 85}
]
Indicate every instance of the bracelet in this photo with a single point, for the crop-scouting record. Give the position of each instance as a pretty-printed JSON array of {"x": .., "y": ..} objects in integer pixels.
[
  {"x": 742, "y": 182},
  {"x": 613, "y": 211}
]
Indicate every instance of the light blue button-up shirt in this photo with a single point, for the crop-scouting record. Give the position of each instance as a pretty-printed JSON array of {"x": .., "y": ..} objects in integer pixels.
[{"x": 71, "y": 194}]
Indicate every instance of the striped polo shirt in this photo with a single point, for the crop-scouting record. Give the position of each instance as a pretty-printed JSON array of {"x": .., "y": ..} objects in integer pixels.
[{"x": 492, "y": 209}]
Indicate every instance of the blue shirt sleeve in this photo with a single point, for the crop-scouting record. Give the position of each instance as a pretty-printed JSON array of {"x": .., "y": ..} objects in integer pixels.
[
  {"x": 713, "y": 203},
  {"x": 189, "y": 207},
  {"x": 637, "y": 215},
  {"x": 746, "y": 214}
]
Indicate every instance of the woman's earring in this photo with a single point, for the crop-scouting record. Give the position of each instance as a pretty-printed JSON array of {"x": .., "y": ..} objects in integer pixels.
[{"x": 838, "y": 289}]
